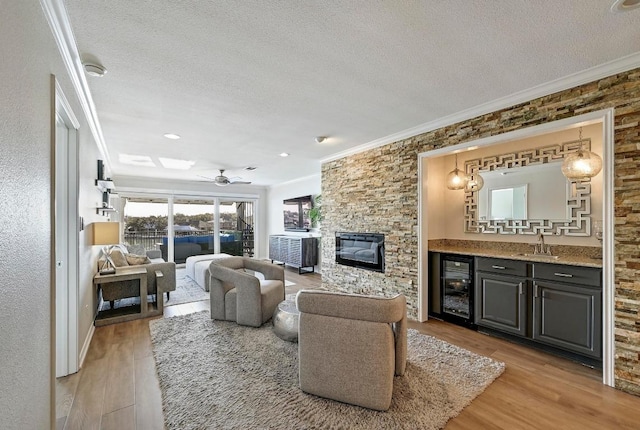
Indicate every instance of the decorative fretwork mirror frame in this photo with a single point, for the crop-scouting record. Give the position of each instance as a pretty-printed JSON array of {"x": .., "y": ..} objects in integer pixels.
[{"x": 578, "y": 222}]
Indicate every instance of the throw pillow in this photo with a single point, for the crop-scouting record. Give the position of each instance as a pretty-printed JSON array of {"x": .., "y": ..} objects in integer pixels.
[
  {"x": 135, "y": 260},
  {"x": 118, "y": 258},
  {"x": 136, "y": 249}
]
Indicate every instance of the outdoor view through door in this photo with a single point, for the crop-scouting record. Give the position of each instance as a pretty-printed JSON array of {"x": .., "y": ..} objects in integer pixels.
[{"x": 195, "y": 230}]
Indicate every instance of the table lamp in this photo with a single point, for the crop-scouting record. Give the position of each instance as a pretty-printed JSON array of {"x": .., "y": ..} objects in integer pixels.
[{"x": 106, "y": 233}]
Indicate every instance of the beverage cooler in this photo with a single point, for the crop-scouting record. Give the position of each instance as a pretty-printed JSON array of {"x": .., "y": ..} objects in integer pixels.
[{"x": 456, "y": 294}]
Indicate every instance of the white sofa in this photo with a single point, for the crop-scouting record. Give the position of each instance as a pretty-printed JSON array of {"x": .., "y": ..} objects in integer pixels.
[{"x": 198, "y": 265}]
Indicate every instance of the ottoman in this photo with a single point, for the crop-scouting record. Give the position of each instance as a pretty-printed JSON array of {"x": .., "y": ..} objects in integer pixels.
[
  {"x": 197, "y": 265},
  {"x": 285, "y": 319}
]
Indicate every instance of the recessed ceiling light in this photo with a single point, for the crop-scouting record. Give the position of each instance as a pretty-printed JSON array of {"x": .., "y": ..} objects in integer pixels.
[
  {"x": 172, "y": 136},
  {"x": 250, "y": 168},
  {"x": 320, "y": 139},
  {"x": 136, "y": 160},
  {"x": 95, "y": 70},
  {"x": 284, "y": 154},
  {"x": 172, "y": 163},
  {"x": 625, "y": 5}
]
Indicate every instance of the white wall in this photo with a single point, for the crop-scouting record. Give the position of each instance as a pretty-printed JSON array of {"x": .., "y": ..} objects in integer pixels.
[
  {"x": 310, "y": 185},
  {"x": 29, "y": 58}
]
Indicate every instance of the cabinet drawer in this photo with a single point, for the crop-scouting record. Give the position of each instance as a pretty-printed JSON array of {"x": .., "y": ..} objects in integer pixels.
[
  {"x": 501, "y": 266},
  {"x": 571, "y": 274}
]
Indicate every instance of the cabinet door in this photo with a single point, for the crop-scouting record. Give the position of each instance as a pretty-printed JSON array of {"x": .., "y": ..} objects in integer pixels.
[
  {"x": 501, "y": 303},
  {"x": 274, "y": 248},
  {"x": 309, "y": 252},
  {"x": 294, "y": 252},
  {"x": 568, "y": 317}
]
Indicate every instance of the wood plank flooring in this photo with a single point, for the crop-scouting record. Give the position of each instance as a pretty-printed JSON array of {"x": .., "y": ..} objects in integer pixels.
[{"x": 117, "y": 387}]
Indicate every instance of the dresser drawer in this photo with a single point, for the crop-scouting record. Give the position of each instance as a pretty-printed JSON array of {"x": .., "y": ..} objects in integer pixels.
[
  {"x": 571, "y": 274},
  {"x": 502, "y": 266}
]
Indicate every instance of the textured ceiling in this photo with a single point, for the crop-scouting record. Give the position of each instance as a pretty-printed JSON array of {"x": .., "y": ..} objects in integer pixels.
[{"x": 242, "y": 81}]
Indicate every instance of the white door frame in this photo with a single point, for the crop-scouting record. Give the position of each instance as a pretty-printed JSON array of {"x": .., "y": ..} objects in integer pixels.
[
  {"x": 606, "y": 117},
  {"x": 65, "y": 233}
]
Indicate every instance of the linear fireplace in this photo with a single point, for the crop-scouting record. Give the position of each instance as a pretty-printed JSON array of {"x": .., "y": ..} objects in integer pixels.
[{"x": 364, "y": 250}]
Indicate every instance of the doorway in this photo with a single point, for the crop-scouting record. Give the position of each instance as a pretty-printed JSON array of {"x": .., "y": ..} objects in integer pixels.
[
  {"x": 66, "y": 237},
  {"x": 605, "y": 118}
]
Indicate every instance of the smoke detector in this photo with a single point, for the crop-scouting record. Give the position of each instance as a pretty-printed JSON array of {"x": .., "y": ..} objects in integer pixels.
[
  {"x": 625, "y": 5},
  {"x": 95, "y": 70}
]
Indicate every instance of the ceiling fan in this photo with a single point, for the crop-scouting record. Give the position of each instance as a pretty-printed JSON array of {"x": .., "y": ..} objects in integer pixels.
[{"x": 223, "y": 181}]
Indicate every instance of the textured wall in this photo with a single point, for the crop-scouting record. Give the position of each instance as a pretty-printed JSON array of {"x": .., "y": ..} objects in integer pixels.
[
  {"x": 30, "y": 56},
  {"x": 376, "y": 191}
]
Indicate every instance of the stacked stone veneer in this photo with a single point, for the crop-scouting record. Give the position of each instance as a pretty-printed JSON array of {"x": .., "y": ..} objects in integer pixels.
[{"x": 377, "y": 191}]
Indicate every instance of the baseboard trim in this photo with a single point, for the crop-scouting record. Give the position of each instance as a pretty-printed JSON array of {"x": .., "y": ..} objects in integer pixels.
[{"x": 85, "y": 346}]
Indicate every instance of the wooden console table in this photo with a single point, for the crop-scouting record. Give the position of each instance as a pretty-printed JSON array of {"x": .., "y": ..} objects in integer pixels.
[{"x": 128, "y": 313}]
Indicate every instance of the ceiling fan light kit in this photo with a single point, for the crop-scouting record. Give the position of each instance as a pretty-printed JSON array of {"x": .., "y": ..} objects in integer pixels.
[{"x": 222, "y": 181}]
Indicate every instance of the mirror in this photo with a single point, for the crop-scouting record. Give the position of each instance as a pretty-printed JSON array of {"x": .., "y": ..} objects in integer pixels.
[
  {"x": 525, "y": 192},
  {"x": 506, "y": 203}
]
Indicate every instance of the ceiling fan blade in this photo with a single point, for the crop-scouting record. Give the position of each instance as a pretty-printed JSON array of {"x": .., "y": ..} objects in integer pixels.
[
  {"x": 206, "y": 177},
  {"x": 239, "y": 182}
]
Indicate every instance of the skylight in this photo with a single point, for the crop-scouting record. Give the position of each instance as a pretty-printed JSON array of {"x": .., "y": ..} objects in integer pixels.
[
  {"x": 172, "y": 163},
  {"x": 136, "y": 160}
]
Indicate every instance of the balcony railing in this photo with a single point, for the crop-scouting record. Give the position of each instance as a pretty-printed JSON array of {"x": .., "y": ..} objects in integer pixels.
[{"x": 231, "y": 242}]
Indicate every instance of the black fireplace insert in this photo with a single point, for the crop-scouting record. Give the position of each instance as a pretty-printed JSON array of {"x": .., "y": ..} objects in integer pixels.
[{"x": 364, "y": 250}]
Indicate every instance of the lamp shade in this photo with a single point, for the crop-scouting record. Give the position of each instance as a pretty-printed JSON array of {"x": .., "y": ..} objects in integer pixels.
[
  {"x": 581, "y": 164},
  {"x": 475, "y": 183},
  {"x": 106, "y": 233},
  {"x": 456, "y": 179}
]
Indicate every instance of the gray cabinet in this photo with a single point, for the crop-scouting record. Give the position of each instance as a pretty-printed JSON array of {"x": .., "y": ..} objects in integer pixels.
[
  {"x": 295, "y": 251},
  {"x": 555, "y": 305},
  {"x": 567, "y": 309},
  {"x": 501, "y": 303}
]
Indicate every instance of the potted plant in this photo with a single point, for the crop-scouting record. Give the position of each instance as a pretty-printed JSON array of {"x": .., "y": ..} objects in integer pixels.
[{"x": 315, "y": 213}]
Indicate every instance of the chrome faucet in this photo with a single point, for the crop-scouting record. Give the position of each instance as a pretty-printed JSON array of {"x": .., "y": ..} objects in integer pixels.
[{"x": 540, "y": 247}]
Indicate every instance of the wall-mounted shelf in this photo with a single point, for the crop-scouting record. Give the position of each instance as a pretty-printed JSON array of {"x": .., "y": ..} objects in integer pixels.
[
  {"x": 105, "y": 185},
  {"x": 105, "y": 211}
]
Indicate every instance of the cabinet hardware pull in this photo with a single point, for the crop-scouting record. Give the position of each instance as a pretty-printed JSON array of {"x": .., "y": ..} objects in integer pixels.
[
  {"x": 520, "y": 288},
  {"x": 564, "y": 275},
  {"x": 536, "y": 293},
  {"x": 498, "y": 267}
]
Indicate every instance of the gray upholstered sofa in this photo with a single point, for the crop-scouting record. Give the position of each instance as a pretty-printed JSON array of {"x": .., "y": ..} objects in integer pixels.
[
  {"x": 237, "y": 295},
  {"x": 351, "y": 346},
  {"x": 124, "y": 289}
]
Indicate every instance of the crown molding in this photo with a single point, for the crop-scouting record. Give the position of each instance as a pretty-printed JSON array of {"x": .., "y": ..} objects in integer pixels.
[
  {"x": 58, "y": 19},
  {"x": 293, "y": 181},
  {"x": 619, "y": 65}
]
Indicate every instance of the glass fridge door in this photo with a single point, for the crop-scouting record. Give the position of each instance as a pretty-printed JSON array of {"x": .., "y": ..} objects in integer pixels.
[{"x": 456, "y": 285}]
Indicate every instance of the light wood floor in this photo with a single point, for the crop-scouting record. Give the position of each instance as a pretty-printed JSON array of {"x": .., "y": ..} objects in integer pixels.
[{"x": 117, "y": 387}]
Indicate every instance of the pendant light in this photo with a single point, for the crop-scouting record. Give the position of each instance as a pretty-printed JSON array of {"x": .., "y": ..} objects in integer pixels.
[
  {"x": 456, "y": 179},
  {"x": 582, "y": 164},
  {"x": 475, "y": 183}
]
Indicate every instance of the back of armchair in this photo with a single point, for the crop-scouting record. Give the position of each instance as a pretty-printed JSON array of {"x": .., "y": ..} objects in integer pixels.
[{"x": 351, "y": 346}]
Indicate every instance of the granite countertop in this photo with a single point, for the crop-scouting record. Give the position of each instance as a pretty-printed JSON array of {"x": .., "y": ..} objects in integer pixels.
[{"x": 571, "y": 256}]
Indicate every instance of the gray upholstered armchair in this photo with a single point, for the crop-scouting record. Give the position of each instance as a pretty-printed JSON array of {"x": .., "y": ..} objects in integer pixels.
[
  {"x": 237, "y": 295},
  {"x": 350, "y": 346}
]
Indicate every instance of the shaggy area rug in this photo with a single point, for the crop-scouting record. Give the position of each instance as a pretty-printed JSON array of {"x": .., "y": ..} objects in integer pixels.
[{"x": 219, "y": 375}]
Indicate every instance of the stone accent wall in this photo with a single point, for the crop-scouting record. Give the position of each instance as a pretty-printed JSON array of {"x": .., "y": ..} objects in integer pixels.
[{"x": 377, "y": 191}]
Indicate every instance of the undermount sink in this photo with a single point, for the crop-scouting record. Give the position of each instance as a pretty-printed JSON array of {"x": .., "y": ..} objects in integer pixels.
[{"x": 537, "y": 256}]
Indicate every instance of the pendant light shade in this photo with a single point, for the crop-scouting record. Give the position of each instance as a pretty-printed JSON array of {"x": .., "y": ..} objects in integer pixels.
[
  {"x": 582, "y": 164},
  {"x": 475, "y": 183},
  {"x": 456, "y": 179}
]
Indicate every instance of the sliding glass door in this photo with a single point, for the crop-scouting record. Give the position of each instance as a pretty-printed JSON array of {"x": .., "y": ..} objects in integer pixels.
[
  {"x": 237, "y": 227},
  {"x": 184, "y": 226},
  {"x": 145, "y": 222}
]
